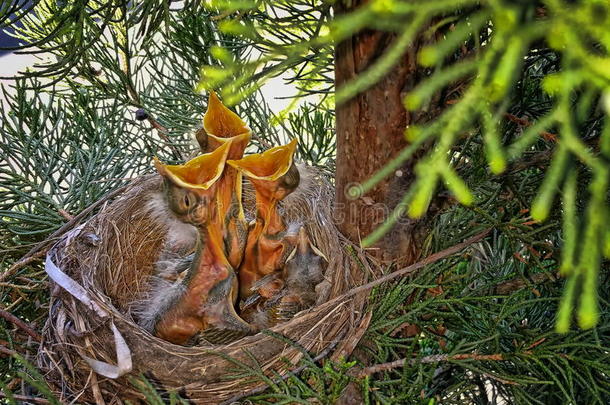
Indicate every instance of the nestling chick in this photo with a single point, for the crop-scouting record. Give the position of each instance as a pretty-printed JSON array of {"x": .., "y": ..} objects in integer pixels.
[
  {"x": 273, "y": 175},
  {"x": 279, "y": 296},
  {"x": 221, "y": 125},
  {"x": 205, "y": 304}
]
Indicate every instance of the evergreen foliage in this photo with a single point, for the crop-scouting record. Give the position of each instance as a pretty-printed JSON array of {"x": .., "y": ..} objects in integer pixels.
[
  {"x": 116, "y": 88},
  {"x": 484, "y": 44}
]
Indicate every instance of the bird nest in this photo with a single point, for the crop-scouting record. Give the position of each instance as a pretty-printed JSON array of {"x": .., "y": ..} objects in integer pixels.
[{"x": 93, "y": 346}]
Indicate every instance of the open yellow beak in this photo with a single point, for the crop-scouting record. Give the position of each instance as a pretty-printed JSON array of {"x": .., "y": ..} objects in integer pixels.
[
  {"x": 269, "y": 165},
  {"x": 238, "y": 144},
  {"x": 220, "y": 121},
  {"x": 199, "y": 173}
]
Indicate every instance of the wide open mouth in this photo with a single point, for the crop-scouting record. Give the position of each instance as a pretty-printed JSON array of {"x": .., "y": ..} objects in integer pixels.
[
  {"x": 238, "y": 144},
  {"x": 220, "y": 121},
  {"x": 198, "y": 173},
  {"x": 269, "y": 165}
]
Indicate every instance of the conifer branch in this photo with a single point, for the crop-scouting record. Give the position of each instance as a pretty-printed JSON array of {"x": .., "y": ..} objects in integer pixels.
[
  {"x": 437, "y": 358},
  {"x": 21, "y": 325}
]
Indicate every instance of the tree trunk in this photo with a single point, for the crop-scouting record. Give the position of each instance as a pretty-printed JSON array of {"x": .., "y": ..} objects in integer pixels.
[{"x": 370, "y": 132}]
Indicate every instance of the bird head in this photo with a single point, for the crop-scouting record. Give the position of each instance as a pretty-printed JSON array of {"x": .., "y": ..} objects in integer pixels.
[
  {"x": 190, "y": 188},
  {"x": 306, "y": 264},
  {"x": 273, "y": 172}
]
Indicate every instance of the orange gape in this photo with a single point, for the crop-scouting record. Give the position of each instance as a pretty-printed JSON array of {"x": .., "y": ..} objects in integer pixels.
[
  {"x": 211, "y": 284},
  {"x": 219, "y": 126},
  {"x": 274, "y": 176}
]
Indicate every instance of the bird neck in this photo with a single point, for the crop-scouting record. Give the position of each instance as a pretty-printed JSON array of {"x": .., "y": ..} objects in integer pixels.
[
  {"x": 210, "y": 264},
  {"x": 268, "y": 215},
  {"x": 229, "y": 191},
  {"x": 182, "y": 319}
]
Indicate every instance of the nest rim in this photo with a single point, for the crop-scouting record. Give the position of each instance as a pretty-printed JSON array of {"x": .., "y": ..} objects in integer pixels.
[{"x": 64, "y": 355}]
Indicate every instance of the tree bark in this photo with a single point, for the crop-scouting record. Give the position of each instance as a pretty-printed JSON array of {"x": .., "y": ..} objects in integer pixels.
[{"x": 370, "y": 132}]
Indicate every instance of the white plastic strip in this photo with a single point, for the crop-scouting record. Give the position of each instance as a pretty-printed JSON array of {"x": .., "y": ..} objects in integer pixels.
[
  {"x": 72, "y": 286},
  {"x": 123, "y": 354}
]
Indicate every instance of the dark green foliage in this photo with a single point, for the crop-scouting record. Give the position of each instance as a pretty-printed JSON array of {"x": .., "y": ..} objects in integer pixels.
[
  {"x": 315, "y": 129},
  {"x": 499, "y": 297},
  {"x": 484, "y": 45},
  {"x": 153, "y": 395},
  {"x": 70, "y": 134}
]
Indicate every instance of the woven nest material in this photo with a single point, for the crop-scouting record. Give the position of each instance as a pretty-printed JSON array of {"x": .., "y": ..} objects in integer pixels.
[{"x": 101, "y": 267}]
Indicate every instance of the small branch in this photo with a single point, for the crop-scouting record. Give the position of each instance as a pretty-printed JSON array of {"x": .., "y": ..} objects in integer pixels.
[
  {"x": 518, "y": 283},
  {"x": 21, "y": 325},
  {"x": 26, "y": 398},
  {"x": 410, "y": 269},
  {"x": 260, "y": 140},
  {"x": 526, "y": 123},
  {"x": 541, "y": 158},
  {"x": 8, "y": 352},
  {"x": 40, "y": 249},
  {"x": 221, "y": 16},
  {"x": 132, "y": 93},
  {"x": 164, "y": 134},
  {"x": 65, "y": 214},
  {"x": 435, "y": 358},
  {"x": 536, "y": 159}
]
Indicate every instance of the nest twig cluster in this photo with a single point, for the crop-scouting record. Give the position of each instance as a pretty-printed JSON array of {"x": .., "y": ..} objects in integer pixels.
[{"x": 104, "y": 265}]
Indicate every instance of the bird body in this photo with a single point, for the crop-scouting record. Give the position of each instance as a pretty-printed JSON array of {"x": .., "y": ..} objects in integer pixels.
[
  {"x": 210, "y": 286},
  {"x": 273, "y": 175},
  {"x": 208, "y": 299}
]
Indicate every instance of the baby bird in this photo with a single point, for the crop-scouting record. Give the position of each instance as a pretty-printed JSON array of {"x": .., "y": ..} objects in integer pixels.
[
  {"x": 205, "y": 306},
  {"x": 273, "y": 175},
  {"x": 279, "y": 296},
  {"x": 221, "y": 125}
]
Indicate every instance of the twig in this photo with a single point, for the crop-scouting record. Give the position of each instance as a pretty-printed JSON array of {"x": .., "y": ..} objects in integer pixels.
[
  {"x": 534, "y": 160},
  {"x": 515, "y": 284},
  {"x": 66, "y": 215},
  {"x": 435, "y": 358},
  {"x": 525, "y": 123},
  {"x": 26, "y": 398},
  {"x": 286, "y": 376},
  {"x": 263, "y": 142},
  {"x": 7, "y": 351},
  {"x": 221, "y": 16},
  {"x": 410, "y": 269},
  {"x": 21, "y": 325},
  {"x": 41, "y": 248},
  {"x": 164, "y": 134}
]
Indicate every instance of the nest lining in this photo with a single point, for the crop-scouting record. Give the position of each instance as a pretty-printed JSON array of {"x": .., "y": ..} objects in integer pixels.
[{"x": 112, "y": 257}]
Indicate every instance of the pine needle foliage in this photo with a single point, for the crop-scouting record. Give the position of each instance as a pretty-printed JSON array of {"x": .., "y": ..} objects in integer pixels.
[
  {"x": 479, "y": 327},
  {"x": 523, "y": 139}
]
